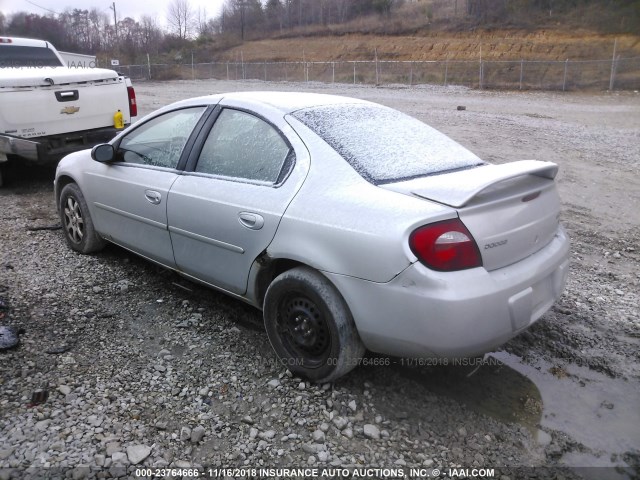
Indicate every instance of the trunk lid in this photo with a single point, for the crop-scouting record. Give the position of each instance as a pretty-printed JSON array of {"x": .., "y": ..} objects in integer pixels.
[
  {"x": 512, "y": 210},
  {"x": 78, "y": 100}
]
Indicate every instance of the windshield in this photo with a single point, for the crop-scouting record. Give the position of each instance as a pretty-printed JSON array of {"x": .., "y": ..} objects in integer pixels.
[
  {"x": 384, "y": 145},
  {"x": 22, "y": 56}
]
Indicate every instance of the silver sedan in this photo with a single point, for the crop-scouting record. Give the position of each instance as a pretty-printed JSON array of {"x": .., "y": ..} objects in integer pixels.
[{"x": 349, "y": 224}]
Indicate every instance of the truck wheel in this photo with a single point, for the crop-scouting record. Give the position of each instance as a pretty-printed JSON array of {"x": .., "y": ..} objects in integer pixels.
[
  {"x": 76, "y": 221},
  {"x": 310, "y": 326}
]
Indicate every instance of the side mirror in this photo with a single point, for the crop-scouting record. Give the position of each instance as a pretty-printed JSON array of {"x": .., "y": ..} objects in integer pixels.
[{"x": 103, "y": 153}]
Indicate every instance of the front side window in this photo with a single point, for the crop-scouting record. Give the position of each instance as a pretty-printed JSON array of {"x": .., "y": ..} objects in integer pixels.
[
  {"x": 243, "y": 146},
  {"x": 159, "y": 142}
]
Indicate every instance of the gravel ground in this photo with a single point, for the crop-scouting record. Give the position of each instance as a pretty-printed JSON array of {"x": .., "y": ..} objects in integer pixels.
[{"x": 144, "y": 369}]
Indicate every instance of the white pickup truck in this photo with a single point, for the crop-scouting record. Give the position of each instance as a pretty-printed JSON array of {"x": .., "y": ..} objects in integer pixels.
[{"x": 48, "y": 110}]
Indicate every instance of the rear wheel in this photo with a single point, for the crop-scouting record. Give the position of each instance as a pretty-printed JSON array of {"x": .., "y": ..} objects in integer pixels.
[
  {"x": 76, "y": 221},
  {"x": 310, "y": 326}
]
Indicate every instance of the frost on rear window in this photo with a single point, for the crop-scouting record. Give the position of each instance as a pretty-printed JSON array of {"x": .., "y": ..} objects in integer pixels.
[{"x": 384, "y": 145}]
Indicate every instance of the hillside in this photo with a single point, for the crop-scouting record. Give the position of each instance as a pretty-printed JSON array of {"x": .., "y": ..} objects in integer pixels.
[{"x": 511, "y": 44}]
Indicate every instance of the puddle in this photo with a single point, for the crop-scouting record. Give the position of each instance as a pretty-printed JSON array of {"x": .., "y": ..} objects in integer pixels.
[
  {"x": 494, "y": 389},
  {"x": 599, "y": 412}
]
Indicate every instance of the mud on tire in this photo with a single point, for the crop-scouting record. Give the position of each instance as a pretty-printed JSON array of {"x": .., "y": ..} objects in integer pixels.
[{"x": 310, "y": 326}]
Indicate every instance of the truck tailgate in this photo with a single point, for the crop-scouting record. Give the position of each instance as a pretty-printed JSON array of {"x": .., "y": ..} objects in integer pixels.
[{"x": 50, "y": 110}]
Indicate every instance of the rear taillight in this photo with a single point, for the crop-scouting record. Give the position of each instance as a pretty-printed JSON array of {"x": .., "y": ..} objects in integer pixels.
[
  {"x": 133, "y": 106},
  {"x": 445, "y": 246}
]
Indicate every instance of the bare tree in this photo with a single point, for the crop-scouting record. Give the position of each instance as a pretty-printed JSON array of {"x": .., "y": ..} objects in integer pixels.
[
  {"x": 151, "y": 35},
  {"x": 244, "y": 15},
  {"x": 180, "y": 18},
  {"x": 204, "y": 26}
]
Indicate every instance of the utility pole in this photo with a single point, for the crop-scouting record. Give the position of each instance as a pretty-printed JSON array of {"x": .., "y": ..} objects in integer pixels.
[{"x": 115, "y": 20}]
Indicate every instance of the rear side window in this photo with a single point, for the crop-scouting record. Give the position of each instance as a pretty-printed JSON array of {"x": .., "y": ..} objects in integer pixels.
[
  {"x": 384, "y": 145},
  {"x": 21, "y": 56},
  {"x": 245, "y": 147}
]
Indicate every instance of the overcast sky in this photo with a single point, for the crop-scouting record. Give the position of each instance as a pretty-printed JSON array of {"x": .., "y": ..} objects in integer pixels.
[{"x": 124, "y": 8}]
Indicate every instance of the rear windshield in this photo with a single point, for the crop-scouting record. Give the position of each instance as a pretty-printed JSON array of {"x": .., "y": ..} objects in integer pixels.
[
  {"x": 21, "y": 56},
  {"x": 384, "y": 145}
]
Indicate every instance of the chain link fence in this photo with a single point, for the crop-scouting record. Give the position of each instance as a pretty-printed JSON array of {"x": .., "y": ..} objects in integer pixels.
[{"x": 618, "y": 74}]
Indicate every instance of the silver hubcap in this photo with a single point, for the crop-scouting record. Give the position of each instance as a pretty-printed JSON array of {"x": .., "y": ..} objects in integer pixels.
[{"x": 73, "y": 222}]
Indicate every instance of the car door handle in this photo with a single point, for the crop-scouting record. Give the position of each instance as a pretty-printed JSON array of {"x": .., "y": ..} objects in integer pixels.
[
  {"x": 153, "y": 197},
  {"x": 251, "y": 220}
]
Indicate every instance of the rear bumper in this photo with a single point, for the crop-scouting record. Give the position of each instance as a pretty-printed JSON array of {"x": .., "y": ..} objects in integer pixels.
[
  {"x": 10, "y": 145},
  {"x": 50, "y": 149},
  {"x": 423, "y": 313}
]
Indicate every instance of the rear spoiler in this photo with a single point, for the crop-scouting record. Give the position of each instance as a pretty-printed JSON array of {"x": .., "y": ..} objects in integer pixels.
[{"x": 460, "y": 187}]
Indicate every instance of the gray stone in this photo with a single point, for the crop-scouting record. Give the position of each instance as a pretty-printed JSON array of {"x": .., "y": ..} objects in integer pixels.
[
  {"x": 340, "y": 422},
  {"x": 197, "y": 434},
  {"x": 137, "y": 453},
  {"x": 64, "y": 389},
  {"x": 318, "y": 436},
  {"x": 185, "y": 433},
  {"x": 268, "y": 435},
  {"x": 119, "y": 458},
  {"x": 42, "y": 425},
  {"x": 6, "y": 453},
  {"x": 274, "y": 383},
  {"x": 371, "y": 431},
  {"x": 314, "y": 447},
  {"x": 112, "y": 447}
]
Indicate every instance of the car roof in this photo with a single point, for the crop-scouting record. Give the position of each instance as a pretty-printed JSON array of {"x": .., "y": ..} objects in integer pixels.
[{"x": 285, "y": 102}]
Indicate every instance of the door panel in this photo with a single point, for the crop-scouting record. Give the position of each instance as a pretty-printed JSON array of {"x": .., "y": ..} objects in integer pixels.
[
  {"x": 223, "y": 215},
  {"x": 124, "y": 213},
  {"x": 129, "y": 197},
  {"x": 209, "y": 241}
]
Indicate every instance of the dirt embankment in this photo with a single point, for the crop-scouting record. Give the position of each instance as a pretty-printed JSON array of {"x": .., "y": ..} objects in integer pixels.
[{"x": 468, "y": 45}]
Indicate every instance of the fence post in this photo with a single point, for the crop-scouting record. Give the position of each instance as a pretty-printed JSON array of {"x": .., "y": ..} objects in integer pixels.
[
  {"x": 265, "y": 70},
  {"x": 480, "y": 73},
  {"x": 411, "y": 75},
  {"x": 333, "y": 72},
  {"x": 446, "y": 71},
  {"x": 227, "y": 71},
  {"x": 564, "y": 79},
  {"x": 148, "y": 65},
  {"x": 521, "y": 72},
  {"x": 377, "y": 82},
  {"x": 613, "y": 65},
  {"x": 354, "y": 73}
]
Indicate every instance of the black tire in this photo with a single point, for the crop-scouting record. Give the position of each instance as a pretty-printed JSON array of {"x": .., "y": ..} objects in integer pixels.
[
  {"x": 76, "y": 221},
  {"x": 310, "y": 326}
]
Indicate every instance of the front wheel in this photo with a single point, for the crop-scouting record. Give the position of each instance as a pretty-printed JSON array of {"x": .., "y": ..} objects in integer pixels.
[
  {"x": 310, "y": 326},
  {"x": 76, "y": 221}
]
